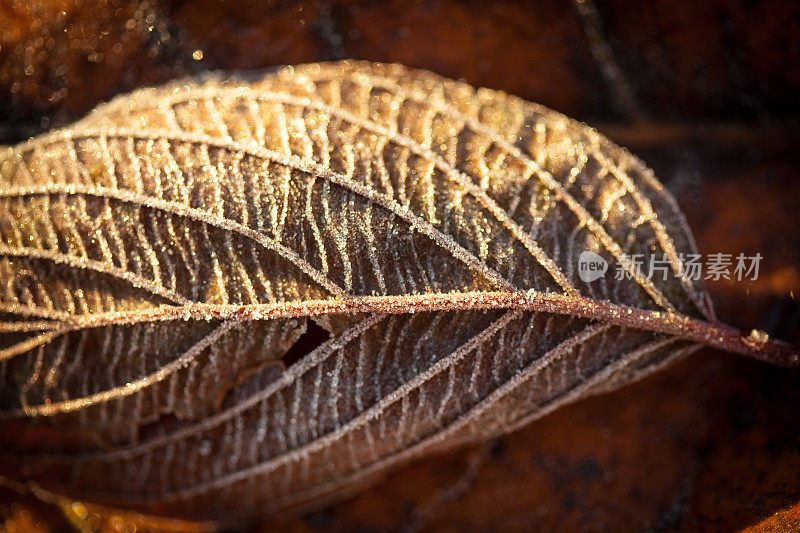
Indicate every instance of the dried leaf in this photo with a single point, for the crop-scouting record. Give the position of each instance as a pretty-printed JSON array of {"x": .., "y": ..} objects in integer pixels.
[{"x": 232, "y": 297}]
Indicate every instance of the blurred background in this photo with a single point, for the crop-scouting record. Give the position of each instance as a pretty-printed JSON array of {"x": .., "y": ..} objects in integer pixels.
[{"x": 706, "y": 93}]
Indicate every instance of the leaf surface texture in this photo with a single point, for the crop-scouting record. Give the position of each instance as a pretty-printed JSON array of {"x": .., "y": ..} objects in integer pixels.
[{"x": 161, "y": 257}]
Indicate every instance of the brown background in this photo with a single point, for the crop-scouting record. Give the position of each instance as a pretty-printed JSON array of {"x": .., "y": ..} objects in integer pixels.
[{"x": 705, "y": 92}]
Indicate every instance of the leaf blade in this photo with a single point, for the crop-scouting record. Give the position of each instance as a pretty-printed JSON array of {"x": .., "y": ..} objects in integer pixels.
[{"x": 430, "y": 228}]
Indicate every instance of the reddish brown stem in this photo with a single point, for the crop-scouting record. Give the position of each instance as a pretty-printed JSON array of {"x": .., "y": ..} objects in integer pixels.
[{"x": 755, "y": 344}]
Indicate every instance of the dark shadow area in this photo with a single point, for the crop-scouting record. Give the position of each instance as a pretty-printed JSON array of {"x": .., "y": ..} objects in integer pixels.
[{"x": 314, "y": 337}]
